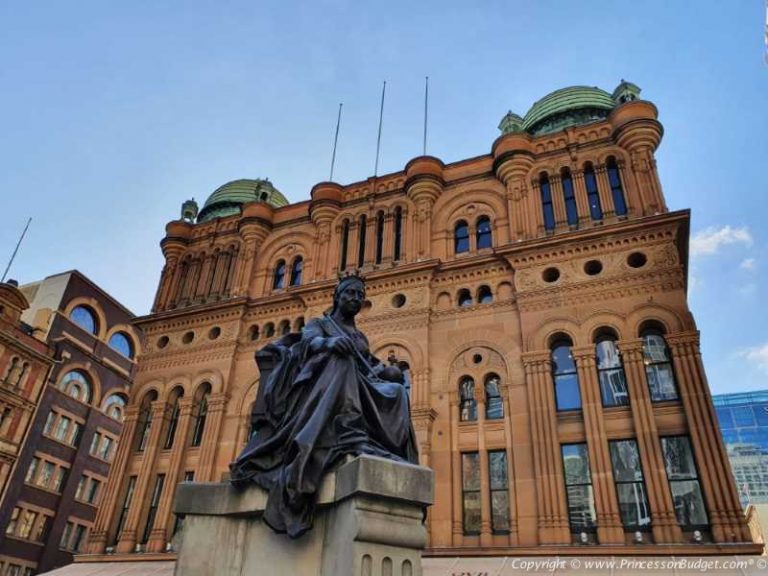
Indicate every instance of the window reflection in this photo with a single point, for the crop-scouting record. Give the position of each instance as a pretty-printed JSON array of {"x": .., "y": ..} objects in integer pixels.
[
  {"x": 578, "y": 486},
  {"x": 470, "y": 488},
  {"x": 658, "y": 366},
  {"x": 684, "y": 481},
  {"x": 630, "y": 486},
  {"x": 613, "y": 384},
  {"x": 494, "y": 407},
  {"x": 467, "y": 403},
  {"x": 565, "y": 376}
]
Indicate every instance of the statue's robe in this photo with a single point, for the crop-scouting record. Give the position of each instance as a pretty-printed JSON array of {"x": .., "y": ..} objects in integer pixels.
[{"x": 311, "y": 410}]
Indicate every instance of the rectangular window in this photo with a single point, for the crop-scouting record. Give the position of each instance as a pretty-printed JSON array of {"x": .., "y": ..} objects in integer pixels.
[
  {"x": 10, "y": 530},
  {"x": 470, "y": 489},
  {"x": 62, "y": 430},
  {"x": 578, "y": 487},
  {"x": 630, "y": 485},
  {"x": 46, "y": 474},
  {"x": 153, "y": 504},
  {"x": 76, "y": 435},
  {"x": 43, "y": 527},
  {"x": 105, "y": 451},
  {"x": 60, "y": 479},
  {"x": 94, "y": 450},
  {"x": 81, "y": 487},
  {"x": 14, "y": 570},
  {"x": 27, "y": 521},
  {"x": 79, "y": 538},
  {"x": 66, "y": 535},
  {"x": 48, "y": 430},
  {"x": 684, "y": 482},
  {"x": 32, "y": 470},
  {"x": 126, "y": 506},
  {"x": 499, "y": 477},
  {"x": 93, "y": 491}
]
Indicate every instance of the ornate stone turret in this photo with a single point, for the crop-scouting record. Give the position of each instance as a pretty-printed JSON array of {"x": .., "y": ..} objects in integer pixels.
[
  {"x": 424, "y": 183},
  {"x": 323, "y": 209},
  {"x": 636, "y": 129},
  {"x": 513, "y": 158},
  {"x": 189, "y": 210},
  {"x": 177, "y": 234},
  {"x": 254, "y": 226}
]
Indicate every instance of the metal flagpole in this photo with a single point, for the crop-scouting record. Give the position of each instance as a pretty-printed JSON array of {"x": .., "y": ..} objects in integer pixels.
[
  {"x": 335, "y": 141},
  {"x": 426, "y": 100},
  {"x": 13, "y": 256},
  {"x": 378, "y": 140}
]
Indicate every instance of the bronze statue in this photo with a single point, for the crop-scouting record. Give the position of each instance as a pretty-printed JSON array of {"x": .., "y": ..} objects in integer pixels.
[{"x": 323, "y": 396}]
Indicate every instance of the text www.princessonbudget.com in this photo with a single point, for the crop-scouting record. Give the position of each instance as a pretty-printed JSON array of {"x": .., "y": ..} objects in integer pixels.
[{"x": 576, "y": 565}]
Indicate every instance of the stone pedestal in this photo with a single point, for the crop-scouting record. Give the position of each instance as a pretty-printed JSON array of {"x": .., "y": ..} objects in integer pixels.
[{"x": 368, "y": 522}]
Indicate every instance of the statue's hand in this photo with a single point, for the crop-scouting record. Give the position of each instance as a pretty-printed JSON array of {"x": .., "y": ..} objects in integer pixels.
[{"x": 340, "y": 345}]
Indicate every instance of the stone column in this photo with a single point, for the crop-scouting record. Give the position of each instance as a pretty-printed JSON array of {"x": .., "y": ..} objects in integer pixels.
[
  {"x": 160, "y": 534},
  {"x": 97, "y": 539},
  {"x": 609, "y": 527},
  {"x": 550, "y": 493},
  {"x": 631, "y": 196},
  {"x": 604, "y": 190},
  {"x": 725, "y": 514},
  {"x": 458, "y": 506},
  {"x": 535, "y": 208},
  {"x": 486, "y": 538},
  {"x": 664, "y": 522},
  {"x": 582, "y": 200},
  {"x": 558, "y": 202},
  {"x": 217, "y": 403},
  {"x": 129, "y": 537},
  {"x": 513, "y": 533},
  {"x": 423, "y": 186}
]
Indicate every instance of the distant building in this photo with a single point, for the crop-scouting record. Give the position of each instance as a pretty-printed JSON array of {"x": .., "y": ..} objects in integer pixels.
[
  {"x": 743, "y": 421},
  {"x": 62, "y": 460}
]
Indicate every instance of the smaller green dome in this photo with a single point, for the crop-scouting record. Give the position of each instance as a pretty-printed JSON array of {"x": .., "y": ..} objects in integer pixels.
[
  {"x": 568, "y": 107},
  {"x": 228, "y": 199}
]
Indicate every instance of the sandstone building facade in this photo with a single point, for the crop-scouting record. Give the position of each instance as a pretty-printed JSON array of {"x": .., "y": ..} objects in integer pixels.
[
  {"x": 81, "y": 374},
  {"x": 536, "y": 296}
]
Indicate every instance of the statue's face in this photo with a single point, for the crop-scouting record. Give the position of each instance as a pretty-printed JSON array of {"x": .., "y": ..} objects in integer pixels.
[{"x": 350, "y": 298}]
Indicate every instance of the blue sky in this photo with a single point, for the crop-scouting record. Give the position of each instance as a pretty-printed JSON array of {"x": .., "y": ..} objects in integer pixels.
[{"x": 112, "y": 114}]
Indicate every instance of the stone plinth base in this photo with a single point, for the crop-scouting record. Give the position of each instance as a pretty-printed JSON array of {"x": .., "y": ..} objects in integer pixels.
[{"x": 369, "y": 520}]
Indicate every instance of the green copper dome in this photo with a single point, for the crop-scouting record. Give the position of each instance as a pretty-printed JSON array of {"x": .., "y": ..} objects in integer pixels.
[
  {"x": 567, "y": 107},
  {"x": 228, "y": 199}
]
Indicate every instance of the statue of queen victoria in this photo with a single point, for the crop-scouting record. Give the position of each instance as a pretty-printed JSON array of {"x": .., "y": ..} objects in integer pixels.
[{"x": 322, "y": 396}]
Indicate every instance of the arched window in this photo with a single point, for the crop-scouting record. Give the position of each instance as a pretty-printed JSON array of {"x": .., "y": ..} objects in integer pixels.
[
  {"x": 114, "y": 407},
  {"x": 344, "y": 243},
  {"x": 363, "y": 225},
  {"x": 483, "y": 235},
  {"x": 494, "y": 407},
  {"x": 658, "y": 364},
  {"x": 253, "y": 332},
  {"x": 85, "y": 318},
  {"x": 610, "y": 371},
  {"x": 122, "y": 343},
  {"x": 298, "y": 326},
  {"x": 461, "y": 237},
  {"x": 200, "y": 414},
  {"x": 284, "y": 327},
  {"x": 173, "y": 421},
  {"x": 379, "y": 237},
  {"x": 564, "y": 374},
  {"x": 76, "y": 385},
  {"x": 465, "y": 298},
  {"x": 296, "y": 269},
  {"x": 547, "y": 208},
  {"x": 593, "y": 196},
  {"x": 398, "y": 234},
  {"x": 571, "y": 211},
  {"x": 467, "y": 402},
  {"x": 269, "y": 330},
  {"x": 279, "y": 277},
  {"x": 484, "y": 295},
  {"x": 144, "y": 423},
  {"x": 617, "y": 193}
]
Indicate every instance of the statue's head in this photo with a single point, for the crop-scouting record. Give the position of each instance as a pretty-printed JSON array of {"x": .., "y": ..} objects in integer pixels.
[{"x": 349, "y": 294}]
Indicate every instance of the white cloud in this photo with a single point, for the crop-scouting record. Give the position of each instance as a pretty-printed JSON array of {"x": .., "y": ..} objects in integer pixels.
[
  {"x": 710, "y": 240},
  {"x": 757, "y": 355},
  {"x": 748, "y": 264}
]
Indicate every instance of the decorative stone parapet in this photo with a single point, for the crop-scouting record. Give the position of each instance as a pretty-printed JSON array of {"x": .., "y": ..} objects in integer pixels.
[{"x": 369, "y": 520}]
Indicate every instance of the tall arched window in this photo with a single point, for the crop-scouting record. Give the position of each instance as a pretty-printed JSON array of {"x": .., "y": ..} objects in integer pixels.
[
  {"x": 483, "y": 235},
  {"x": 122, "y": 343},
  {"x": 494, "y": 407},
  {"x": 571, "y": 211},
  {"x": 593, "y": 196},
  {"x": 284, "y": 327},
  {"x": 200, "y": 413},
  {"x": 398, "y": 234},
  {"x": 279, "y": 277},
  {"x": 344, "y": 243},
  {"x": 610, "y": 371},
  {"x": 76, "y": 385},
  {"x": 617, "y": 193},
  {"x": 658, "y": 364},
  {"x": 362, "y": 229},
  {"x": 465, "y": 297},
  {"x": 85, "y": 318},
  {"x": 567, "y": 396},
  {"x": 144, "y": 423},
  {"x": 461, "y": 237},
  {"x": 484, "y": 295},
  {"x": 467, "y": 402},
  {"x": 173, "y": 421},
  {"x": 379, "y": 237},
  {"x": 296, "y": 269},
  {"x": 114, "y": 407},
  {"x": 548, "y": 210},
  {"x": 269, "y": 330}
]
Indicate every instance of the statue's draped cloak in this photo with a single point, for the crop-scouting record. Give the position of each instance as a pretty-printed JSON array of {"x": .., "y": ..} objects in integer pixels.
[{"x": 313, "y": 409}]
